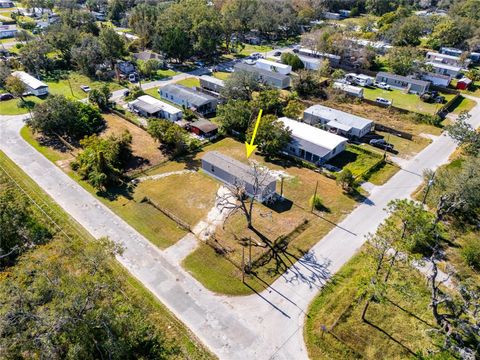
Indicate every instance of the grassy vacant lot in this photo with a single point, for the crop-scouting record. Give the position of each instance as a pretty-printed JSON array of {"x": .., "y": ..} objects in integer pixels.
[
  {"x": 404, "y": 316},
  {"x": 250, "y": 49},
  {"x": 189, "y": 82},
  {"x": 168, "y": 325},
  {"x": 144, "y": 147},
  {"x": 356, "y": 160},
  {"x": 61, "y": 85},
  {"x": 410, "y": 102},
  {"x": 153, "y": 224}
]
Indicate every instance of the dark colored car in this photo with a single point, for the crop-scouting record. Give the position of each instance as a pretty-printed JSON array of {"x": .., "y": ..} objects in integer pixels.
[
  {"x": 277, "y": 53},
  {"x": 6, "y": 96},
  {"x": 381, "y": 144}
]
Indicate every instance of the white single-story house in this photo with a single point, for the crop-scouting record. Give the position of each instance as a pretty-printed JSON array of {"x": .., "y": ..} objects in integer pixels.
[
  {"x": 437, "y": 79},
  {"x": 189, "y": 98},
  {"x": 360, "y": 79},
  {"x": 271, "y": 78},
  {"x": 211, "y": 83},
  {"x": 334, "y": 59},
  {"x": 452, "y": 60},
  {"x": 406, "y": 83},
  {"x": 148, "y": 106},
  {"x": 445, "y": 69},
  {"x": 8, "y": 31},
  {"x": 310, "y": 63},
  {"x": 351, "y": 90},
  {"x": 235, "y": 173},
  {"x": 33, "y": 85},
  {"x": 331, "y": 15},
  {"x": 344, "y": 124},
  {"x": 273, "y": 66},
  {"x": 6, "y": 4},
  {"x": 312, "y": 144}
]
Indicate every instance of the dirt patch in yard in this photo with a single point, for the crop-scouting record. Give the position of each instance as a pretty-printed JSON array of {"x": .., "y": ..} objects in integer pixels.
[{"x": 145, "y": 150}]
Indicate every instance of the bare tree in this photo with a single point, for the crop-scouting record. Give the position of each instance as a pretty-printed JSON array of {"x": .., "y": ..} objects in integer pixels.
[
  {"x": 458, "y": 318},
  {"x": 243, "y": 193}
]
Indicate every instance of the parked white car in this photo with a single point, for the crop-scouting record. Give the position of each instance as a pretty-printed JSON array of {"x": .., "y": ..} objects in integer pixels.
[
  {"x": 383, "y": 101},
  {"x": 85, "y": 88},
  {"x": 382, "y": 85}
]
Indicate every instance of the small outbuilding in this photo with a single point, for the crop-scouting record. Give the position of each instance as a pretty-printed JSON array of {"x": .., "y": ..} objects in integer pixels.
[
  {"x": 311, "y": 143},
  {"x": 235, "y": 173},
  {"x": 33, "y": 85},
  {"x": 464, "y": 83},
  {"x": 205, "y": 128},
  {"x": 351, "y": 90}
]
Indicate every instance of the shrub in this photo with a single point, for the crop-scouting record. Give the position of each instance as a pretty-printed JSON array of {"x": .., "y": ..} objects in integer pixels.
[
  {"x": 316, "y": 203},
  {"x": 471, "y": 254}
]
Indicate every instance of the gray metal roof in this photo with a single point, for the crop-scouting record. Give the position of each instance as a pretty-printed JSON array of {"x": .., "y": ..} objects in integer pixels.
[
  {"x": 212, "y": 79},
  {"x": 336, "y": 116},
  {"x": 260, "y": 72},
  {"x": 194, "y": 97},
  {"x": 403, "y": 78},
  {"x": 239, "y": 170}
]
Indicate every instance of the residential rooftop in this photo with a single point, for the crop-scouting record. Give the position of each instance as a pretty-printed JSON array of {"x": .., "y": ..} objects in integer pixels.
[
  {"x": 341, "y": 119},
  {"x": 194, "y": 97},
  {"x": 403, "y": 78},
  {"x": 234, "y": 167},
  {"x": 213, "y": 80},
  {"x": 152, "y": 105},
  {"x": 273, "y": 63},
  {"x": 312, "y": 134},
  {"x": 251, "y": 68},
  {"x": 29, "y": 80}
]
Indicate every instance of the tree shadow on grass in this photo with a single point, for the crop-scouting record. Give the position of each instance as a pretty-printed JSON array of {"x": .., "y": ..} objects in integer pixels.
[{"x": 114, "y": 192}]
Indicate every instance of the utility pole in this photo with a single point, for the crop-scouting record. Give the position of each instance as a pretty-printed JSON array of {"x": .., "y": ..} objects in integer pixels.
[
  {"x": 243, "y": 264},
  {"x": 314, "y": 196},
  {"x": 429, "y": 184},
  {"x": 70, "y": 85},
  {"x": 385, "y": 150},
  {"x": 249, "y": 254}
]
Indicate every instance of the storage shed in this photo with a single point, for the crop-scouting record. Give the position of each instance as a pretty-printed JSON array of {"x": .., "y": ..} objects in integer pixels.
[
  {"x": 464, "y": 83},
  {"x": 235, "y": 173},
  {"x": 205, "y": 128}
]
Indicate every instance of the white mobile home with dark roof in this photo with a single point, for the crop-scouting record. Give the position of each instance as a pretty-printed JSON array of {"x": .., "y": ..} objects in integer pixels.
[
  {"x": 344, "y": 124},
  {"x": 235, "y": 173},
  {"x": 312, "y": 144},
  {"x": 33, "y": 85}
]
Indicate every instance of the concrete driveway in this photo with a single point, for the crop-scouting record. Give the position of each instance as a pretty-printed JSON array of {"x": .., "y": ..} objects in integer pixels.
[{"x": 268, "y": 325}]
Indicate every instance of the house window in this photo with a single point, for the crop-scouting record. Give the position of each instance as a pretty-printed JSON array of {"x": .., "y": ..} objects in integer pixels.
[{"x": 213, "y": 168}]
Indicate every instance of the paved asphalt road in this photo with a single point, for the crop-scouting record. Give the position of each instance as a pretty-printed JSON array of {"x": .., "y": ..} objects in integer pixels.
[{"x": 268, "y": 325}]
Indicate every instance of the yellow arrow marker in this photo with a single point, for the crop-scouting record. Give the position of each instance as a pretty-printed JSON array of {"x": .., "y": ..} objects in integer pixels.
[{"x": 250, "y": 147}]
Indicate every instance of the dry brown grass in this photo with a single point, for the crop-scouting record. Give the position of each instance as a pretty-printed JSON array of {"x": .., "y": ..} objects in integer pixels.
[{"x": 145, "y": 150}]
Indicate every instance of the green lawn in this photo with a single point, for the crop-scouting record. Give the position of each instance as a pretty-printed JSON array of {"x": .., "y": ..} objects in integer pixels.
[
  {"x": 334, "y": 328},
  {"x": 174, "y": 331},
  {"x": 153, "y": 224},
  {"x": 249, "y": 49},
  {"x": 222, "y": 75},
  {"x": 189, "y": 82},
  {"x": 383, "y": 174},
  {"x": 70, "y": 87},
  {"x": 10, "y": 107},
  {"x": 410, "y": 102},
  {"x": 356, "y": 159},
  {"x": 462, "y": 104}
]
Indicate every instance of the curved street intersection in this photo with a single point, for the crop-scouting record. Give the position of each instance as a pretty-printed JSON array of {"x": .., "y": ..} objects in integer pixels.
[{"x": 268, "y": 325}]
